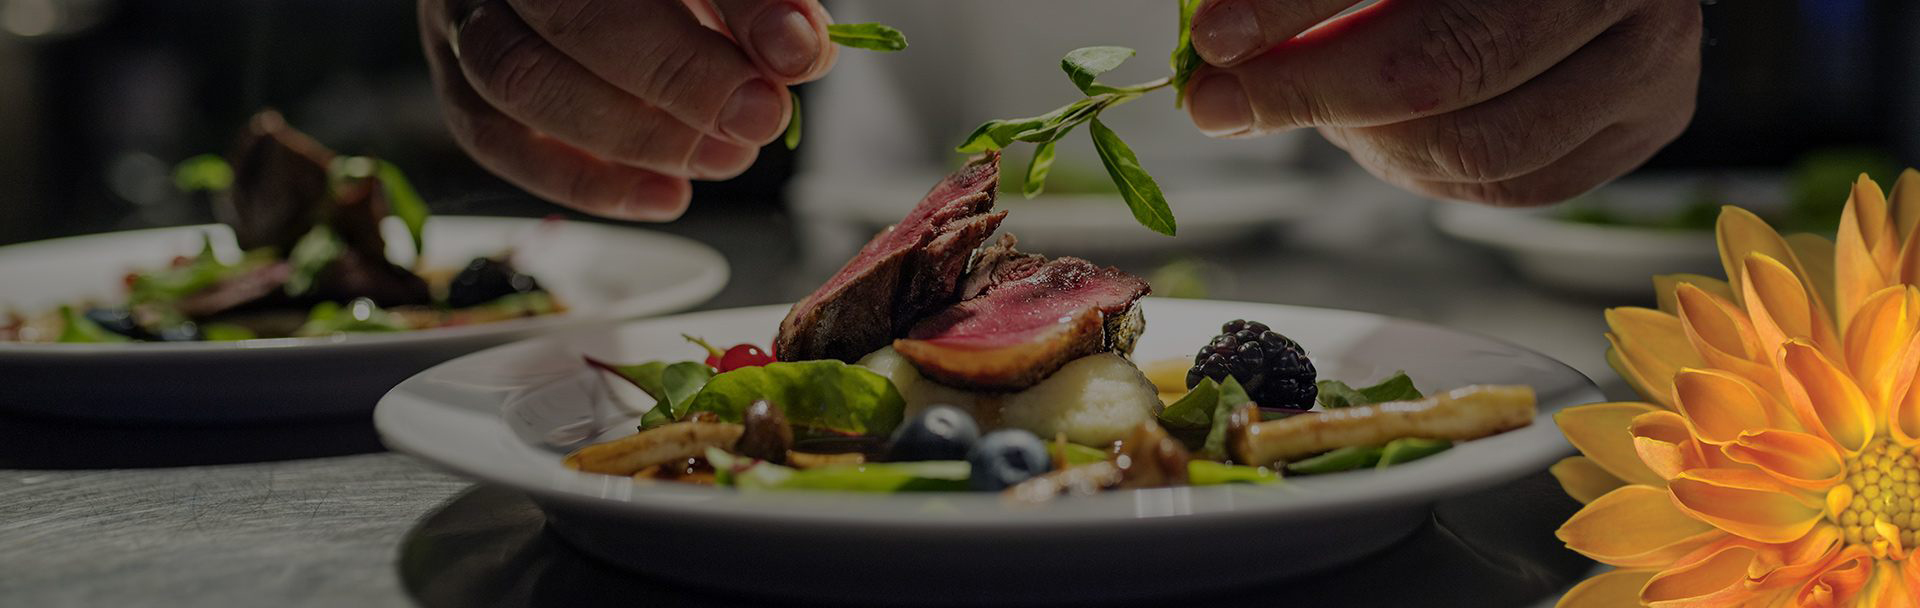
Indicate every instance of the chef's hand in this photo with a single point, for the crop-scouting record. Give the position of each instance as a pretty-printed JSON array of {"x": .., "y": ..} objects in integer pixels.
[
  {"x": 1508, "y": 102},
  {"x": 610, "y": 106}
]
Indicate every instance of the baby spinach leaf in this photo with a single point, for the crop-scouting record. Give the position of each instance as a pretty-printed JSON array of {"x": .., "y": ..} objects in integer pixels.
[
  {"x": 1407, "y": 449},
  {"x": 1343, "y": 459},
  {"x": 1210, "y": 473},
  {"x": 1037, "y": 170},
  {"x": 1337, "y": 394},
  {"x": 869, "y": 36},
  {"x": 1231, "y": 396},
  {"x": 821, "y": 398},
  {"x": 1082, "y": 65},
  {"x": 1136, "y": 186},
  {"x": 671, "y": 384},
  {"x": 681, "y": 382},
  {"x": 1195, "y": 409}
]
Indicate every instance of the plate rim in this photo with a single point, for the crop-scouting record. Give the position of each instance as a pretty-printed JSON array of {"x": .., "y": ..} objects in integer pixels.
[
  {"x": 1395, "y": 486},
  {"x": 714, "y": 274}
]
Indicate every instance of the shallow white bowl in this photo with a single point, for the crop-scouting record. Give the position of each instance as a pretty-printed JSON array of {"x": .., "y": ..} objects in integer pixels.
[
  {"x": 508, "y": 415},
  {"x": 602, "y": 273}
]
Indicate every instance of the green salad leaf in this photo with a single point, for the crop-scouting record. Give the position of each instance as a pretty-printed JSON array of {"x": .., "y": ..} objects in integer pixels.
[
  {"x": 1337, "y": 394},
  {"x": 1408, "y": 449},
  {"x": 225, "y": 332},
  {"x": 166, "y": 285},
  {"x": 1343, "y": 459},
  {"x": 359, "y": 316},
  {"x": 311, "y": 254},
  {"x": 77, "y": 328},
  {"x": 869, "y": 36},
  {"x": 1200, "y": 417},
  {"x": 206, "y": 172},
  {"x": 671, "y": 384},
  {"x": 821, "y": 398},
  {"x": 1194, "y": 410},
  {"x": 1231, "y": 396},
  {"x": 1210, "y": 473}
]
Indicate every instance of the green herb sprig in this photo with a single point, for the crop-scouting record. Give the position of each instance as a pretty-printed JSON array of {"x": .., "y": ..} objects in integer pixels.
[
  {"x": 869, "y": 36},
  {"x": 1084, "y": 67}
]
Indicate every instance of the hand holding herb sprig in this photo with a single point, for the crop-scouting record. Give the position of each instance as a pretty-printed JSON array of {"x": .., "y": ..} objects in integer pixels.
[
  {"x": 870, "y": 36},
  {"x": 1084, "y": 67}
]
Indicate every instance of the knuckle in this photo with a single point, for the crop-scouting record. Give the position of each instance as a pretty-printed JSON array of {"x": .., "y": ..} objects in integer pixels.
[
  {"x": 673, "y": 76},
  {"x": 1466, "y": 47},
  {"x": 1471, "y": 150},
  {"x": 515, "y": 70},
  {"x": 560, "y": 17}
]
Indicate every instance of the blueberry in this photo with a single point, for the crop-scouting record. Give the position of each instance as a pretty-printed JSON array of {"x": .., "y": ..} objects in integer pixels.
[
  {"x": 941, "y": 432},
  {"x": 184, "y": 331},
  {"x": 1007, "y": 457},
  {"x": 485, "y": 280},
  {"x": 117, "y": 320}
]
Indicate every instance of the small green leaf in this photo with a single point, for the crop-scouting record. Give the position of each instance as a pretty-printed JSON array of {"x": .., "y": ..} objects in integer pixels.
[
  {"x": 1343, "y": 459},
  {"x": 225, "y": 332},
  {"x": 1082, "y": 65},
  {"x": 822, "y": 398},
  {"x": 644, "y": 376},
  {"x": 359, "y": 316},
  {"x": 793, "y": 124},
  {"x": 1136, "y": 186},
  {"x": 1408, "y": 449},
  {"x": 77, "y": 328},
  {"x": 1037, "y": 170},
  {"x": 1337, "y": 394},
  {"x": 204, "y": 172},
  {"x": 405, "y": 203},
  {"x": 1231, "y": 396},
  {"x": 1210, "y": 473},
  {"x": 1195, "y": 409},
  {"x": 869, "y": 36},
  {"x": 998, "y": 134},
  {"x": 682, "y": 381},
  {"x": 311, "y": 254},
  {"x": 1185, "y": 60}
]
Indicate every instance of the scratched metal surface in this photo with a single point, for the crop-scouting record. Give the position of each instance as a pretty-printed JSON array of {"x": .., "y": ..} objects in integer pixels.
[{"x": 311, "y": 515}]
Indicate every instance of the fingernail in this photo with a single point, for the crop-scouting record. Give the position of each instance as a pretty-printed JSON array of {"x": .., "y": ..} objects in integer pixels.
[
  {"x": 1219, "y": 106},
  {"x": 753, "y": 113},
  {"x": 717, "y": 159},
  {"x": 1226, "y": 31},
  {"x": 786, "y": 41}
]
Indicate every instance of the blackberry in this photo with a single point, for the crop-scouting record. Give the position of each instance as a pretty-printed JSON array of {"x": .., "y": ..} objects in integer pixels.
[
  {"x": 1272, "y": 368},
  {"x": 485, "y": 280}
]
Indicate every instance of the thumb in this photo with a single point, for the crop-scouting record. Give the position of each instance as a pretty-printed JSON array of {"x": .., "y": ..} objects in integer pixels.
[{"x": 786, "y": 38}]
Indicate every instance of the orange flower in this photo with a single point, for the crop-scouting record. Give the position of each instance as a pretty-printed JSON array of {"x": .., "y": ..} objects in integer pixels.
[{"x": 1776, "y": 461}]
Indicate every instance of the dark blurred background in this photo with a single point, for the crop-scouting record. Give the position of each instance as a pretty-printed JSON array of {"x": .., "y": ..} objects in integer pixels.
[{"x": 98, "y": 98}]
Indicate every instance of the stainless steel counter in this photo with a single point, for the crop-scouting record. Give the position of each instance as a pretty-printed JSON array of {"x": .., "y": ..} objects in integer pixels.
[{"x": 94, "y": 515}]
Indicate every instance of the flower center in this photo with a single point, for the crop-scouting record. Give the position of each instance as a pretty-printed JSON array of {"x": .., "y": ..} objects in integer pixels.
[{"x": 1885, "y": 483}]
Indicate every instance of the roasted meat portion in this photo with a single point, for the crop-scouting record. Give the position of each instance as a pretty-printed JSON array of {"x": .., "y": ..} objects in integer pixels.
[
  {"x": 279, "y": 184},
  {"x": 1028, "y": 319},
  {"x": 905, "y": 273}
]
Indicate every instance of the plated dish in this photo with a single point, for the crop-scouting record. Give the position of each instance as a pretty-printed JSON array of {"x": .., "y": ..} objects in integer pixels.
[{"x": 848, "y": 437}]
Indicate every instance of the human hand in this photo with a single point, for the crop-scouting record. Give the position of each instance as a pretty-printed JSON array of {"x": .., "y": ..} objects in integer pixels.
[
  {"x": 610, "y": 106},
  {"x": 1508, "y": 102}
]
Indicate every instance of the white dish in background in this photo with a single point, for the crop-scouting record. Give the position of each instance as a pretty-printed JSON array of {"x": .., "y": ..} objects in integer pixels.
[
  {"x": 1610, "y": 260},
  {"x": 508, "y": 415},
  {"x": 1207, "y": 209},
  {"x": 602, "y": 273}
]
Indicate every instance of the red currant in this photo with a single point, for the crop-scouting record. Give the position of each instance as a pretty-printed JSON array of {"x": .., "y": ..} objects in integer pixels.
[{"x": 742, "y": 355}]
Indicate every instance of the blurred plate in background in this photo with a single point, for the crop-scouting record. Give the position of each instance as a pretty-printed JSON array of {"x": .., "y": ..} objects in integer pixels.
[{"x": 602, "y": 273}]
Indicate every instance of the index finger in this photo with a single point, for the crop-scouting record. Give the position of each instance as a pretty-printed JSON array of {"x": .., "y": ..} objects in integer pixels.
[{"x": 1396, "y": 61}]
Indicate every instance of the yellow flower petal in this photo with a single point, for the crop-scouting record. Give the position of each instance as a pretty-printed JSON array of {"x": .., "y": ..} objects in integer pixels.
[
  {"x": 1798, "y": 459},
  {"x": 1724, "y": 338},
  {"x": 1858, "y": 269},
  {"x": 1876, "y": 340},
  {"x": 1635, "y": 527},
  {"x": 1839, "y": 582},
  {"x": 1603, "y": 431},
  {"x": 1665, "y": 284},
  {"x": 1903, "y": 410},
  {"x": 1583, "y": 479},
  {"x": 1816, "y": 260},
  {"x": 1788, "y": 565},
  {"x": 1828, "y": 403},
  {"x": 1887, "y": 589},
  {"x": 1780, "y": 307},
  {"x": 1905, "y": 203},
  {"x": 1748, "y": 504},
  {"x": 1607, "y": 590},
  {"x": 1718, "y": 579},
  {"x": 1665, "y": 444},
  {"x": 1658, "y": 393},
  {"x": 1722, "y": 405},
  {"x": 1740, "y": 232},
  {"x": 1654, "y": 342}
]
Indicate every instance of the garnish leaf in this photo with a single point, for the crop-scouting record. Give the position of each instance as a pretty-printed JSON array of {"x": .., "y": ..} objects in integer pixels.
[
  {"x": 998, "y": 134},
  {"x": 1231, "y": 396},
  {"x": 1210, "y": 473},
  {"x": 821, "y": 398},
  {"x": 206, "y": 172},
  {"x": 792, "y": 137},
  {"x": 1082, "y": 65},
  {"x": 311, "y": 254},
  {"x": 869, "y": 36},
  {"x": 672, "y": 385},
  {"x": 1037, "y": 170},
  {"x": 1337, "y": 394},
  {"x": 1195, "y": 410},
  {"x": 405, "y": 203},
  {"x": 1185, "y": 60},
  {"x": 1136, "y": 186},
  {"x": 682, "y": 381}
]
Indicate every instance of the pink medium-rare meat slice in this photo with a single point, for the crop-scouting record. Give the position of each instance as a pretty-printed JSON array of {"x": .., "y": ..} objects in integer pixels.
[
  {"x": 1022, "y": 330},
  {"x": 996, "y": 264},
  {"x": 906, "y": 271}
]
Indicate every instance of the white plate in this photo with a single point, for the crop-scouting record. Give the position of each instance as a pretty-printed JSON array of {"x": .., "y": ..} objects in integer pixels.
[
  {"x": 1207, "y": 209},
  {"x": 509, "y": 414},
  {"x": 1610, "y": 260},
  {"x": 602, "y": 273}
]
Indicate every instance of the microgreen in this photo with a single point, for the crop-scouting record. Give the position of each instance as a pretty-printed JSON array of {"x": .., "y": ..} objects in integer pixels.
[{"x": 869, "y": 36}]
